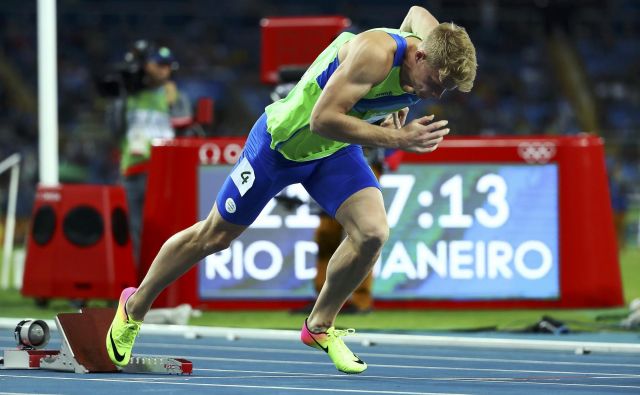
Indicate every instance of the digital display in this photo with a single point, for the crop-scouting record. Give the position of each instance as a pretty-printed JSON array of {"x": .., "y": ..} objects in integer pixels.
[{"x": 458, "y": 232}]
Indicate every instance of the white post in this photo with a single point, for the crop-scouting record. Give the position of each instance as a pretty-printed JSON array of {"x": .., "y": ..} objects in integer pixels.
[
  {"x": 9, "y": 229},
  {"x": 47, "y": 92}
]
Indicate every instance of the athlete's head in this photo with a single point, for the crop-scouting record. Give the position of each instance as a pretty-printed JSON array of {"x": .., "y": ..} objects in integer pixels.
[{"x": 445, "y": 60}]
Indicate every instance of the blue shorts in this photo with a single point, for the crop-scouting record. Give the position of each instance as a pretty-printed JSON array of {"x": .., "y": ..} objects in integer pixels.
[{"x": 261, "y": 173}]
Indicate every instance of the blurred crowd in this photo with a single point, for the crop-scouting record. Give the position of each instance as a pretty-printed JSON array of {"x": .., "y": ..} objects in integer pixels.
[{"x": 545, "y": 67}]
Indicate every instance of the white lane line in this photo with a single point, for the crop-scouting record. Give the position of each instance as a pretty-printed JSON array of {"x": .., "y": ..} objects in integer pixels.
[
  {"x": 26, "y": 393},
  {"x": 367, "y": 375},
  {"x": 378, "y": 355},
  {"x": 263, "y": 387},
  {"x": 484, "y": 380},
  {"x": 555, "y": 383},
  {"x": 290, "y": 375},
  {"x": 278, "y": 361},
  {"x": 284, "y": 375}
]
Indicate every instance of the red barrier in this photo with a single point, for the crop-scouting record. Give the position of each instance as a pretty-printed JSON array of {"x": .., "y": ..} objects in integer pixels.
[
  {"x": 172, "y": 182},
  {"x": 589, "y": 263},
  {"x": 79, "y": 245},
  {"x": 295, "y": 41},
  {"x": 589, "y": 271}
]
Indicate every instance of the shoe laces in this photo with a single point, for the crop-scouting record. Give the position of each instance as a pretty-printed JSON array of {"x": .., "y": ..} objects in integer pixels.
[
  {"x": 335, "y": 338},
  {"x": 341, "y": 332}
]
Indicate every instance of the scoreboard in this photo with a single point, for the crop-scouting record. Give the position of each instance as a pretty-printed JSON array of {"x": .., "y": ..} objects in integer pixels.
[{"x": 457, "y": 232}]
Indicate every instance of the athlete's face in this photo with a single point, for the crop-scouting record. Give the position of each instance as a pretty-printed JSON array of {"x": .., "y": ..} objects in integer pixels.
[{"x": 426, "y": 79}]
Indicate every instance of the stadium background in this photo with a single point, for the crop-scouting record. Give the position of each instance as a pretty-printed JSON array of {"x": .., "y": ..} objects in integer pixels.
[{"x": 520, "y": 89}]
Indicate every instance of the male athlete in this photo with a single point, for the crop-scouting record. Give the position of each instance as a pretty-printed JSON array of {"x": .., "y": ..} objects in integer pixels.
[{"x": 314, "y": 137}]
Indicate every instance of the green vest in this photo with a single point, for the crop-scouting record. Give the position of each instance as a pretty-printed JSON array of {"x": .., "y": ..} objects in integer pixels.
[
  {"x": 147, "y": 119},
  {"x": 288, "y": 119}
]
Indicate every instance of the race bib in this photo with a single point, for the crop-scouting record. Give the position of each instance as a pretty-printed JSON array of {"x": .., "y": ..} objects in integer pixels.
[{"x": 243, "y": 176}]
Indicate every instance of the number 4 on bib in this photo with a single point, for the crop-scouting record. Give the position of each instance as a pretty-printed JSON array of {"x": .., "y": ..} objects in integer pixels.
[{"x": 243, "y": 176}]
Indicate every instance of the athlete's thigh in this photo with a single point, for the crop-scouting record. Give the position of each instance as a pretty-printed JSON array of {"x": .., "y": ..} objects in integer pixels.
[
  {"x": 254, "y": 180},
  {"x": 257, "y": 177},
  {"x": 218, "y": 230},
  {"x": 245, "y": 192},
  {"x": 338, "y": 177},
  {"x": 363, "y": 212}
]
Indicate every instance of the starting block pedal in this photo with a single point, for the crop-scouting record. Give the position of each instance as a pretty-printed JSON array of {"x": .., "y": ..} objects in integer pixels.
[
  {"x": 25, "y": 359},
  {"x": 83, "y": 349}
]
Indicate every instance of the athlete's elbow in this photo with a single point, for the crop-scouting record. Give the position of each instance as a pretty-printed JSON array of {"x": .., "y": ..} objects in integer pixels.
[
  {"x": 319, "y": 123},
  {"x": 418, "y": 12}
]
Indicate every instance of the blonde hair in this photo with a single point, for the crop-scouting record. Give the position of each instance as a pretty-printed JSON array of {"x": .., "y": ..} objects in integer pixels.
[{"x": 450, "y": 50}]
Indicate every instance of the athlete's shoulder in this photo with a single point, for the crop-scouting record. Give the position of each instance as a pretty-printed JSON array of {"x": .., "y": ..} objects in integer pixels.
[
  {"x": 372, "y": 46},
  {"x": 394, "y": 32},
  {"x": 377, "y": 37},
  {"x": 385, "y": 41}
]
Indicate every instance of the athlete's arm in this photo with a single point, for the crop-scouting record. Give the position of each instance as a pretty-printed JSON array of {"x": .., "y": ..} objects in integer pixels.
[
  {"x": 418, "y": 21},
  {"x": 366, "y": 64}
]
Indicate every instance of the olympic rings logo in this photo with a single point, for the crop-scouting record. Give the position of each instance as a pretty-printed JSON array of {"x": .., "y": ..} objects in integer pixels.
[
  {"x": 537, "y": 152},
  {"x": 210, "y": 153}
]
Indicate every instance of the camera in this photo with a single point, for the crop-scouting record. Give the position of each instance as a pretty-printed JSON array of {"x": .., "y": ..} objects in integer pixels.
[{"x": 128, "y": 76}]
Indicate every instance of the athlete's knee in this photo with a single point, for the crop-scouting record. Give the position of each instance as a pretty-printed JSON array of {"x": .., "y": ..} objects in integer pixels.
[
  {"x": 215, "y": 244},
  {"x": 214, "y": 240},
  {"x": 371, "y": 236},
  {"x": 207, "y": 238}
]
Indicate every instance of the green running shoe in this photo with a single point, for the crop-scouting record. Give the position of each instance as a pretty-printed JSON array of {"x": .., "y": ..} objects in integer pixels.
[
  {"x": 331, "y": 343},
  {"x": 122, "y": 332}
]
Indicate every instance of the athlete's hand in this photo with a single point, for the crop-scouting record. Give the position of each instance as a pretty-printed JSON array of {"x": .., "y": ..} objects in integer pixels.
[
  {"x": 422, "y": 135},
  {"x": 389, "y": 122},
  {"x": 401, "y": 116},
  {"x": 395, "y": 120}
]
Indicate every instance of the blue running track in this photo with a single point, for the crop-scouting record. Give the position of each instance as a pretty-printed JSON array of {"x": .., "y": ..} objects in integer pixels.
[{"x": 251, "y": 367}]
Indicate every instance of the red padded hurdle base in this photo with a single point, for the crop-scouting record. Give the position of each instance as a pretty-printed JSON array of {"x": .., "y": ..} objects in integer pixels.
[
  {"x": 78, "y": 245},
  {"x": 295, "y": 41}
]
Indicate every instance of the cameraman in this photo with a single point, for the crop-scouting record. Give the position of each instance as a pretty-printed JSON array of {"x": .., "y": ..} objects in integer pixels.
[{"x": 149, "y": 107}]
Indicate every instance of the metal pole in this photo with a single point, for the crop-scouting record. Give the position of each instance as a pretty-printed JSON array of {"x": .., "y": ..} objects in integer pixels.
[
  {"x": 47, "y": 93},
  {"x": 9, "y": 162},
  {"x": 9, "y": 229}
]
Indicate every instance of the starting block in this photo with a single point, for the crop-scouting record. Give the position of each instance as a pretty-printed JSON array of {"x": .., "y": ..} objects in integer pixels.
[{"x": 83, "y": 349}]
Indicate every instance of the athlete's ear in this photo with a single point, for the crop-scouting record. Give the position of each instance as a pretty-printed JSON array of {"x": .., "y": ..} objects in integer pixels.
[{"x": 420, "y": 55}]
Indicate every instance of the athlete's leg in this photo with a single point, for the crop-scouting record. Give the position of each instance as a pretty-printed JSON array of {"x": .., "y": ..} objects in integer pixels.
[
  {"x": 364, "y": 219},
  {"x": 362, "y": 298},
  {"x": 178, "y": 254},
  {"x": 255, "y": 179},
  {"x": 328, "y": 236}
]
